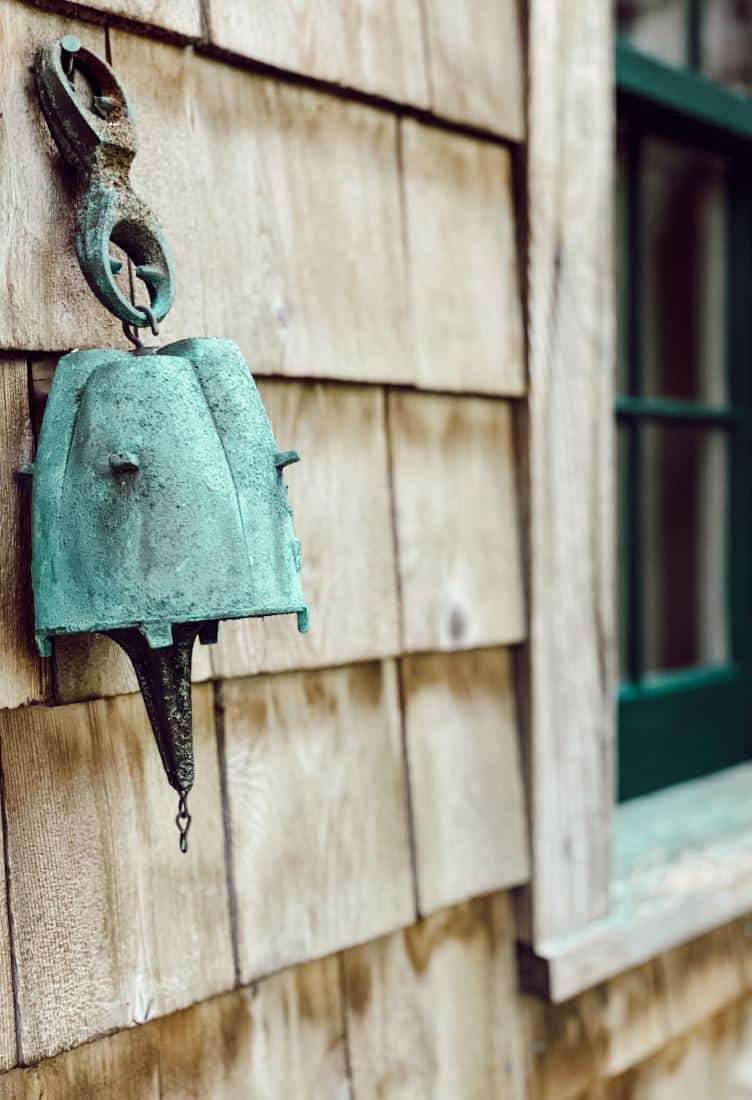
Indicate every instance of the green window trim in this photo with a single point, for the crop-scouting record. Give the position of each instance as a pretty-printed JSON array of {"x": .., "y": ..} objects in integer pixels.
[
  {"x": 683, "y": 93},
  {"x": 678, "y": 725}
]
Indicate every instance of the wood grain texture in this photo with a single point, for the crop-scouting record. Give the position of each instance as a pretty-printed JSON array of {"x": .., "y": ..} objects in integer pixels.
[
  {"x": 598, "y": 1035},
  {"x": 341, "y": 499},
  {"x": 375, "y": 47},
  {"x": 476, "y": 70},
  {"x": 319, "y": 286},
  {"x": 741, "y": 1074},
  {"x": 431, "y": 1011},
  {"x": 111, "y": 924},
  {"x": 564, "y": 1051},
  {"x": 466, "y": 790},
  {"x": 7, "y": 1001},
  {"x": 282, "y": 1039},
  {"x": 462, "y": 259},
  {"x": 286, "y": 222},
  {"x": 633, "y": 1015},
  {"x": 704, "y": 1064},
  {"x": 181, "y": 18},
  {"x": 576, "y": 1048},
  {"x": 46, "y": 303},
  {"x": 702, "y": 977},
  {"x": 570, "y": 446},
  {"x": 457, "y": 522},
  {"x": 24, "y": 676},
  {"x": 121, "y": 1067},
  {"x": 743, "y": 936},
  {"x": 609, "y": 1030},
  {"x": 317, "y": 811}
]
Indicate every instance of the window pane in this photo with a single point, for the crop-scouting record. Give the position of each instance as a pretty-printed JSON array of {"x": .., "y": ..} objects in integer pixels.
[
  {"x": 683, "y": 273},
  {"x": 727, "y": 42},
  {"x": 655, "y": 26},
  {"x": 684, "y": 546}
]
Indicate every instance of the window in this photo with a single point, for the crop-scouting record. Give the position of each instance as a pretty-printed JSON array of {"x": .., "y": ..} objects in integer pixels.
[{"x": 684, "y": 405}]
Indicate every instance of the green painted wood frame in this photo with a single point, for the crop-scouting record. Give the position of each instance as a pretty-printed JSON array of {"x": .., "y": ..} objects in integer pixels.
[{"x": 678, "y": 725}]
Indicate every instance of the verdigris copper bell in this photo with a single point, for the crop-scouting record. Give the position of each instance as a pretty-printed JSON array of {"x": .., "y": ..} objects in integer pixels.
[{"x": 159, "y": 507}]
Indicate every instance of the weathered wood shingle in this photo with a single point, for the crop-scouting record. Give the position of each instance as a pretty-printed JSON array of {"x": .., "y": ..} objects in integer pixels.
[
  {"x": 458, "y": 537},
  {"x": 284, "y": 1038},
  {"x": 465, "y": 777},
  {"x": 431, "y": 1011},
  {"x": 111, "y": 925},
  {"x": 461, "y": 233},
  {"x": 375, "y": 47},
  {"x": 283, "y": 209},
  {"x": 476, "y": 67},
  {"x": 317, "y": 807}
]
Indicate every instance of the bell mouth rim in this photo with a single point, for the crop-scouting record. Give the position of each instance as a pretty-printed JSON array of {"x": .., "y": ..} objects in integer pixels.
[{"x": 43, "y": 633}]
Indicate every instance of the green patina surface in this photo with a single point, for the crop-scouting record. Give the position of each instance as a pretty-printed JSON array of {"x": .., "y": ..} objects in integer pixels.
[{"x": 159, "y": 496}]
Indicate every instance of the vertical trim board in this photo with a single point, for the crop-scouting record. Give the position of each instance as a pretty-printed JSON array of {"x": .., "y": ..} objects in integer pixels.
[{"x": 571, "y": 475}]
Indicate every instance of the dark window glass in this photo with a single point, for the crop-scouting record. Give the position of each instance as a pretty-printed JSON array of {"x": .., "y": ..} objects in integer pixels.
[
  {"x": 683, "y": 273},
  {"x": 683, "y": 555},
  {"x": 727, "y": 42}
]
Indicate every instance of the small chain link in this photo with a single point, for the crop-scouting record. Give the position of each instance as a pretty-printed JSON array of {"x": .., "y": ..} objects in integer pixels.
[{"x": 183, "y": 820}]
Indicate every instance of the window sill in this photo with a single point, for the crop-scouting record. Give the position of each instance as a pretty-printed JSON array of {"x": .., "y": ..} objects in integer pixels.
[{"x": 682, "y": 866}]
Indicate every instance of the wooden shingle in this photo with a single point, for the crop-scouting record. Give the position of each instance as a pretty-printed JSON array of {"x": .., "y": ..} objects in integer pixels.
[
  {"x": 111, "y": 924},
  {"x": 282, "y": 206},
  {"x": 282, "y": 1039},
  {"x": 432, "y": 1012},
  {"x": 458, "y": 539},
  {"x": 317, "y": 807},
  {"x": 466, "y": 309},
  {"x": 375, "y": 47},
  {"x": 465, "y": 773},
  {"x": 476, "y": 62}
]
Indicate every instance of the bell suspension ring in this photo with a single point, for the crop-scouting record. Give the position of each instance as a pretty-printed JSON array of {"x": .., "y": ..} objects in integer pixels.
[{"x": 99, "y": 142}]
